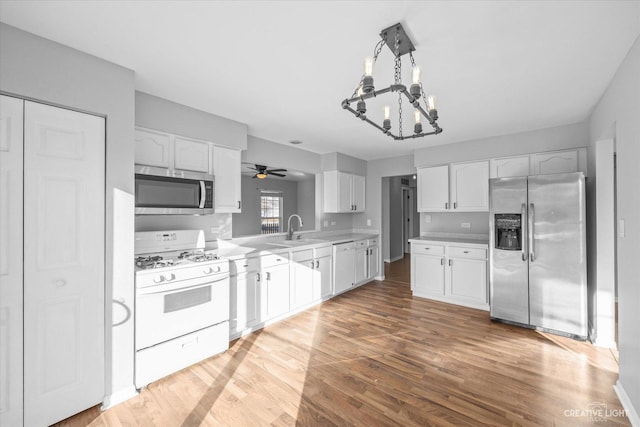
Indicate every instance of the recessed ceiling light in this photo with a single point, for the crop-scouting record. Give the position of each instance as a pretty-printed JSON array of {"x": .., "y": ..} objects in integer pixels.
[{"x": 295, "y": 142}]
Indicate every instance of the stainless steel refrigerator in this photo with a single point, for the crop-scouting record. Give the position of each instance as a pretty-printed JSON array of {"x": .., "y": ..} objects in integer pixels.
[{"x": 538, "y": 258}]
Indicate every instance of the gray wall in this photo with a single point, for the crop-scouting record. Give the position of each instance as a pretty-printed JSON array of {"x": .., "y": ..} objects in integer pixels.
[
  {"x": 34, "y": 67},
  {"x": 161, "y": 114},
  {"x": 344, "y": 163},
  {"x": 396, "y": 248},
  {"x": 307, "y": 202},
  {"x": 619, "y": 109},
  {"x": 449, "y": 222},
  {"x": 265, "y": 152},
  {"x": 247, "y": 223}
]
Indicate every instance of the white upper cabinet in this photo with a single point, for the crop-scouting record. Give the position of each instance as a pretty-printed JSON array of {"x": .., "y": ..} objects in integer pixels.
[
  {"x": 469, "y": 186},
  {"x": 509, "y": 166},
  {"x": 433, "y": 189},
  {"x": 228, "y": 190},
  {"x": 556, "y": 162},
  {"x": 358, "y": 188},
  {"x": 343, "y": 192},
  {"x": 152, "y": 148},
  {"x": 191, "y": 155}
]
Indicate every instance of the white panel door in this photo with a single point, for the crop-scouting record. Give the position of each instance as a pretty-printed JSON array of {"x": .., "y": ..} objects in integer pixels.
[
  {"x": 469, "y": 183},
  {"x": 302, "y": 275},
  {"x": 11, "y": 121},
  {"x": 152, "y": 148},
  {"x": 362, "y": 271},
  {"x": 226, "y": 168},
  {"x": 359, "y": 190},
  {"x": 64, "y": 154},
  {"x": 275, "y": 291},
  {"x": 557, "y": 162},
  {"x": 433, "y": 189},
  {"x": 191, "y": 155},
  {"x": 509, "y": 166},
  {"x": 374, "y": 265}
]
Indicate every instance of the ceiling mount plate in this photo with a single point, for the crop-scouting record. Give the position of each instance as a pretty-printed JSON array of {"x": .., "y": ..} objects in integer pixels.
[{"x": 405, "y": 45}]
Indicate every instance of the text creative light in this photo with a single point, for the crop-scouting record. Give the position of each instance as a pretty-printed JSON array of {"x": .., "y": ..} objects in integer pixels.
[{"x": 398, "y": 41}]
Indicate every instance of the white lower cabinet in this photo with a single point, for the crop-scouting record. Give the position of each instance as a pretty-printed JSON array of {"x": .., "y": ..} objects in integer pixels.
[
  {"x": 244, "y": 296},
  {"x": 454, "y": 273},
  {"x": 310, "y": 276},
  {"x": 273, "y": 282}
]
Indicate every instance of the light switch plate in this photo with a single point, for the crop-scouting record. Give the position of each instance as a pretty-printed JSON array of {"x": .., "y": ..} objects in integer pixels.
[
  {"x": 368, "y": 223},
  {"x": 427, "y": 219},
  {"x": 326, "y": 223},
  {"x": 465, "y": 225}
]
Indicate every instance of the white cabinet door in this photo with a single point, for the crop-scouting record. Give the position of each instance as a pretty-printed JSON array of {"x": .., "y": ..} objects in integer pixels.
[
  {"x": 509, "y": 166},
  {"x": 345, "y": 201},
  {"x": 323, "y": 276},
  {"x": 469, "y": 185},
  {"x": 358, "y": 193},
  {"x": 374, "y": 262},
  {"x": 11, "y": 203},
  {"x": 558, "y": 162},
  {"x": 64, "y": 272},
  {"x": 243, "y": 295},
  {"x": 191, "y": 155},
  {"x": 433, "y": 189},
  {"x": 275, "y": 291},
  {"x": 226, "y": 168},
  {"x": 427, "y": 275},
  {"x": 362, "y": 271},
  {"x": 468, "y": 281},
  {"x": 302, "y": 282},
  {"x": 152, "y": 148}
]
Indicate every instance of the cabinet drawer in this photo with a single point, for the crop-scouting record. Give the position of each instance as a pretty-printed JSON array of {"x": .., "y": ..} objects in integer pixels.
[
  {"x": 361, "y": 244},
  {"x": 244, "y": 265},
  {"x": 471, "y": 253},
  {"x": 303, "y": 255},
  {"x": 322, "y": 252},
  {"x": 372, "y": 242},
  {"x": 272, "y": 260},
  {"x": 428, "y": 249}
]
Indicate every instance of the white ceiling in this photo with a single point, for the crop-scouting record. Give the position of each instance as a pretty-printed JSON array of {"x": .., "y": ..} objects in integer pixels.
[{"x": 283, "y": 68}]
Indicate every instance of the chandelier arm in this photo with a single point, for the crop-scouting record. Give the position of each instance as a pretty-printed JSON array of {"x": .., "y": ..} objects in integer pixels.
[
  {"x": 374, "y": 93},
  {"x": 416, "y": 104},
  {"x": 362, "y": 117}
]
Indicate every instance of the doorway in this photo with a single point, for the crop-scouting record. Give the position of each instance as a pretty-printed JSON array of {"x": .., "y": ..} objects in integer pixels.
[{"x": 408, "y": 217}]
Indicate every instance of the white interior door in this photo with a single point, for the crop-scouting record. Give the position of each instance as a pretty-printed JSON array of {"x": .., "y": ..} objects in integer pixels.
[
  {"x": 11, "y": 113},
  {"x": 63, "y": 263}
]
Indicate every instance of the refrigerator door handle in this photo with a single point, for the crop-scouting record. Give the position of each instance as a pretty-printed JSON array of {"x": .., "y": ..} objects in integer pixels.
[
  {"x": 524, "y": 234},
  {"x": 532, "y": 256}
]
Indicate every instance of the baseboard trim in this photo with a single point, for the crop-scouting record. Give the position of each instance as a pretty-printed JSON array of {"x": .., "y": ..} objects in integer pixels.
[
  {"x": 396, "y": 258},
  {"x": 604, "y": 343},
  {"x": 379, "y": 278},
  {"x": 625, "y": 400},
  {"x": 118, "y": 397}
]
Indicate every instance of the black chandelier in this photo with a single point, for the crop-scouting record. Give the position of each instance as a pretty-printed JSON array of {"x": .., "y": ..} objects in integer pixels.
[{"x": 400, "y": 44}]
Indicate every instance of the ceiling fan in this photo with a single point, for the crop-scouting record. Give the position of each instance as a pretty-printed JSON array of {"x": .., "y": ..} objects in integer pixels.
[{"x": 262, "y": 171}]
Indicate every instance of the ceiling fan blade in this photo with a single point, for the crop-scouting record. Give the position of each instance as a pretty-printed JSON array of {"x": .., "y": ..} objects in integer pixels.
[
  {"x": 276, "y": 174},
  {"x": 253, "y": 169},
  {"x": 277, "y": 170},
  {"x": 254, "y": 176}
]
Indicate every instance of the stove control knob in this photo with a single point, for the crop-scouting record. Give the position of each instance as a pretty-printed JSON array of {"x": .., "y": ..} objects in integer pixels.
[
  {"x": 170, "y": 278},
  {"x": 208, "y": 271},
  {"x": 158, "y": 279}
]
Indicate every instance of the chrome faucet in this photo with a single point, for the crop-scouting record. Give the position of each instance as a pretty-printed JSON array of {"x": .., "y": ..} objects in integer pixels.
[{"x": 289, "y": 229}]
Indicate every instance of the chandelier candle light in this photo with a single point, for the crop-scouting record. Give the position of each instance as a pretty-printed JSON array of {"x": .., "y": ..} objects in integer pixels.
[{"x": 398, "y": 41}]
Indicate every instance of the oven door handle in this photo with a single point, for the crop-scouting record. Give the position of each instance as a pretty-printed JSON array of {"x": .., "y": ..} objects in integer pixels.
[
  {"x": 176, "y": 287},
  {"x": 203, "y": 195}
]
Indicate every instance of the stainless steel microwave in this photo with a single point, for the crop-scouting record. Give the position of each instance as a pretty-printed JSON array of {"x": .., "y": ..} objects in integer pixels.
[{"x": 172, "y": 192}]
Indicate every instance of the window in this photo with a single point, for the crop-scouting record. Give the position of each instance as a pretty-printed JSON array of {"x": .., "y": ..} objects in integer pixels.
[{"x": 271, "y": 212}]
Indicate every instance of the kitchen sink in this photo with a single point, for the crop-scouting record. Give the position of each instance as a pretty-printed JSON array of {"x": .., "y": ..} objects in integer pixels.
[{"x": 296, "y": 242}]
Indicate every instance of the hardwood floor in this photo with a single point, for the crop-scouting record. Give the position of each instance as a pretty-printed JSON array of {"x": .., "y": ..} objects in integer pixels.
[{"x": 377, "y": 356}]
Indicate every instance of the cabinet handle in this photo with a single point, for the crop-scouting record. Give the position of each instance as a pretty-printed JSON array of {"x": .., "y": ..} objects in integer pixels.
[
  {"x": 450, "y": 262},
  {"x": 455, "y": 205},
  {"x": 466, "y": 252},
  {"x": 268, "y": 275},
  {"x": 257, "y": 277},
  {"x": 355, "y": 207},
  {"x": 441, "y": 261},
  {"x": 239, "y": 204},
  {"x": 317, "y": 263},
  {"x": 446, "y": 205},
  {"x": 427, "y": 248},
  {"x": 311, "y": 264}
]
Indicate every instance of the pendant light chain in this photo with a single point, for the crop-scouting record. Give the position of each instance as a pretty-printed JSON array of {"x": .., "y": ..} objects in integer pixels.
[{"x": 398, "y": 80}]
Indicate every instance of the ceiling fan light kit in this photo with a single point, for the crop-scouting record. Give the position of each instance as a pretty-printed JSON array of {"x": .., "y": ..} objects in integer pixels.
[
  {"x": 263, "y": 171},
  {"x": 400, "y": 44}
]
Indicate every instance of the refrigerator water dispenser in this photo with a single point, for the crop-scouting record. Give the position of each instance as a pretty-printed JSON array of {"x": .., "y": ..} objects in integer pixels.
[{"x": 508, "y": 229}]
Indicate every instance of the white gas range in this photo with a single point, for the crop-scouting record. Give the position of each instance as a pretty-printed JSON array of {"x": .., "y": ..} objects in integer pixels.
[{"x": 182, "y": 303}]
